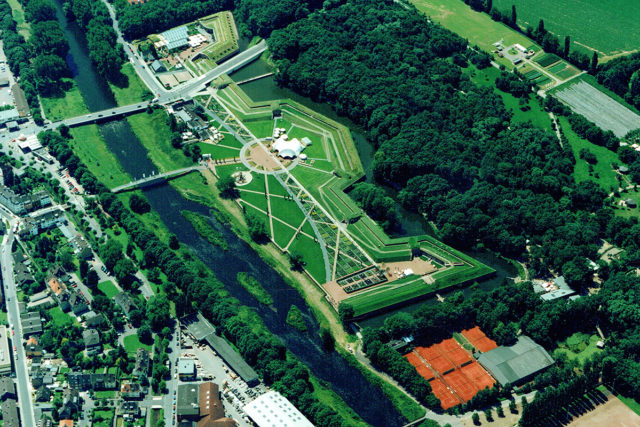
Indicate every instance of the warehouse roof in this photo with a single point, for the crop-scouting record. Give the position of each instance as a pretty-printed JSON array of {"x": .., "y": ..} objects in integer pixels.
[
  {"x": 197, "y": 326},
  {"x": 517, "y": 362},
  {"x": 233, "y": 359},
  {"x": 273, "y": 409}
]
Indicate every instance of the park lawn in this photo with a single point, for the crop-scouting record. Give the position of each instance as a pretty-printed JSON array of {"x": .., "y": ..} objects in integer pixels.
[
  {"x": 23, "y": 27},
  {"x": 153, "y": 132},
  {"x": 135, "y": 91},
  {"x": 105, "y": 394},
  {"x": 132, "y": 344},
  {"x": 106, "y": 416},
  {"x": 282, "y": 234},
  {"x": 70, "y": 104},
  {"x": 603, "y": 173},
  {"x": 256, "y": 199},
  {"x": 90, "y": 146},
  {"x": 312, "y": 256},
  {"x": 108, "y": 288},
  {"x": 229, "y": 140},
  {"x": 260, "y": 128},
  {"x": 474, "y": 26},
  {"x": 286, "y": 210},
  {"x": 600, "y": 25},
  {"x": 218, "y": 152},
  {"x": 59, "y": 317},
  {"x": 589, "y": 349}
]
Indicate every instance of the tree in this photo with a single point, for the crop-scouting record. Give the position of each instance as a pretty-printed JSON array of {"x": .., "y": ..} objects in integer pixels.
[
  {"x": 345, "y": 313},
  {"x": 158, "y": 312},
  {"x": 257, "y": 227},
  {"x": 144, "y": 334},
  {"x": 541, "y": 29},
  {"x": 296, "y": 261},
  {"x": 567, "y": 46},
  {"x": 92, "y": 279},
  {"x": 328, "y": 342},
  {"x": 514, "y": 17},
  {"x": 83, "y": 266},
  {"x": 513, "y": 407},
  {"x": 66, "y": 259},
  {"x": 500, "y": 411},
  {"x": 139, "y": 204},
  {"x": 488, "y": 414},
  {"x": 475, "y": 417},
  {"x": 64, "y": 130},
  {"x": 489, "y": 6},
  {"x": 593, "y": 67},
  {"x": 174, "y": 243},
  {"x": 227, "y": 187}
]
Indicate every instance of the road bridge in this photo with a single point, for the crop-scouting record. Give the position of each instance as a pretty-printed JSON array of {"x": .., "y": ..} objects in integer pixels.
[
  {"x": 104, "y": 115},
  {"x": 155, "y": 179},
  {"x": 254, "y": 78}
]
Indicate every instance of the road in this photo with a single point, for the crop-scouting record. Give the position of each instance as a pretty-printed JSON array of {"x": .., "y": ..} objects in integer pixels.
[{"x": 23, "y": 384}]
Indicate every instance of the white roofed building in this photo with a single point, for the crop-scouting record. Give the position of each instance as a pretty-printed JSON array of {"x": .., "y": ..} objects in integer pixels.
[
  {"x": 288, "y": 148},
  {"x": 273, "y": 409}
]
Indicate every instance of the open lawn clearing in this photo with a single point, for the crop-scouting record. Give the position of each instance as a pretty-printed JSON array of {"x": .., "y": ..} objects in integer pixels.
[
  {"x": 68, "y": 104},
  {"x": 311, "y": 254},
  {"x": 132, "y": 344},
  {"x": 259, "y": 200},
  {"x": 282, "y": 233},
  {"x": 579, "y": 346},
  {"x": 611, "y": 413},
  {"x": 603, "y": 172},
  {"x": 286, "y": 210},
  {"x": 153, "y": 132},
  {"x": 609, "y": 26},
  {"x": 476, "y": 27},
  {"x": 623, "y": 211},
  {"x": 24, "y": 28},
  {"x": 219, "y": 152},
  {"x": 59, "y": 317},
  {"x": 606, "y": 112},
  {"x": 133, "y": 90},
  {"x": 260, "y": 128},
  {"x": 108, "y": 288},
  {"x": 89, "y": 145},
  {"x": 103, "y": 418}
]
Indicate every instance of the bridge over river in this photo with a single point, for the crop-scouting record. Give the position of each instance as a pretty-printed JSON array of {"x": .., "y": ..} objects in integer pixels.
[{"x": 155, "y": 179}]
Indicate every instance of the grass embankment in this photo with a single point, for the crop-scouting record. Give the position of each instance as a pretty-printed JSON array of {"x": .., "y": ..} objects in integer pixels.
[
  {"x": 90, "y": 146},
  {"x": 23, "y": 27},
  {"x": 254, "y": 287},
  {"x": 325, "y": 395},
  {"x": 204, "y": 228},
  {"x": 69, "y": 104},
  {"x": 154, "y": 133},
  {"x": 295, "y": 319},
  {"x": 134, "y": 91}
]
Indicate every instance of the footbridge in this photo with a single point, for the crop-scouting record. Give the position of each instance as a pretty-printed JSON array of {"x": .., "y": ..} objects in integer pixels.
[{"x": 155, "y": 179}]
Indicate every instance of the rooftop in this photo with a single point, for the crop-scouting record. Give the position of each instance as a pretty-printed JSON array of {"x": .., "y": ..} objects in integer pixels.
[
  {"x": 273, "y": 409},
  {"x": 186, "y": 366},
  {"x": 517, "y": 362},
  {"x": 176, "y": 37},
  {"x": 232, "y": 358}
]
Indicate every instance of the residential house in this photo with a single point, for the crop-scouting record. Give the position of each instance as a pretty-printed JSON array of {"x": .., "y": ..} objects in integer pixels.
[
  {"x": 5, "y": 353},
  {"x": 124, "y": 300},
  {"x": 57, "y": 287},
  {"x": 92, "y": 342},
  {"x": 10, "y": 416},
  {"x": 95, "y": 382},
  {"x": 31, "y": 323},
  {"x": 130, "y": 390},
  {"x": 93, "y": 320},
  {"x": 81, "y": 247},
  {"x": 71, "y": 404},
  {"x": 20, "y": 204},
  {"x": 130, "y": 409},
  {"x": 143, "y": 361},
  {"x": 32, "y": 348},
  {"x": 66, "y": 423},
  {"x": 32, "y": 226},
  {"x": 23, "y": 275},
  {"x": 78, "y": 304},
  {"x": 43, "y": 394},
  {"x": 7, "y": 389}
]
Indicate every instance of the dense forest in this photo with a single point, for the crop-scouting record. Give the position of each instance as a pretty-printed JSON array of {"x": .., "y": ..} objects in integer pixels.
[{"x": 622, "y": 76}]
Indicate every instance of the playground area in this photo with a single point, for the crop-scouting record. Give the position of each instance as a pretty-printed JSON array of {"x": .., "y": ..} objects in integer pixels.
[
  {"x": 301, "y": 198},
  {"x": 454, "y": 375}
]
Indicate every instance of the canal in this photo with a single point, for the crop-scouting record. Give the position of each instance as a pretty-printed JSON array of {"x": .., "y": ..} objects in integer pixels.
[
  {"x": 411, "y": 223},
  {"x": 348, "y": 382}
]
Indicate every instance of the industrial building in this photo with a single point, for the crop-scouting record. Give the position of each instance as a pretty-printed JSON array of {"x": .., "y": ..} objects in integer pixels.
[
  {"x": 273, "y": 409},
  {"x": 9, "y": 115},
  {"x": 516, "y": 364},
  {"x": 5, "y": 354},
  {"x": 199, "y": 405},
  {"x": 186, "y": 369},
  {"x": 176, "y": 38}
]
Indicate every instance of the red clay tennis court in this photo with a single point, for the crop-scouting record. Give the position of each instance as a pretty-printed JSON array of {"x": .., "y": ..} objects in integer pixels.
[
  {"x": 461, "y": 384},
  {"x": 459, "y": 356},
  {"x": 441, "y": 364},
  {"x": 479, "y": 340},
  {"x": 447, "y": 399},
  {"x": 428, "y": 353},
  {"x": 478, "y": 375},
  {"x": 422, "y": 369}
]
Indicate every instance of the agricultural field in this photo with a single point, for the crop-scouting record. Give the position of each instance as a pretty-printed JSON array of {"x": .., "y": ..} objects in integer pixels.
[
  {"x": 305, "y": 211},
  {"x": 474, "y": 26},
  {"x": 585, "y": 99},
  {"x": 597, "y": 25}
]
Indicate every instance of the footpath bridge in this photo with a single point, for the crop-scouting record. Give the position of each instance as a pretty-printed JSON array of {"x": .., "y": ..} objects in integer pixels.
[{"x": 155, "y": 179}]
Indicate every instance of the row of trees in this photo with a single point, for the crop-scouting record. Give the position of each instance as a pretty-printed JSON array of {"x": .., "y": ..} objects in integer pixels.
[
  {"x": 622, "y": 76},
  {"x": 104, "y": 50}
]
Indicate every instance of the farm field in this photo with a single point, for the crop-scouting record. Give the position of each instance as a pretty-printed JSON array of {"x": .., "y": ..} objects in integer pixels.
[
  {"x": 596, "y": 25},
  {"x": 476, "y": 27},
  {"x": 597, "y": 106}
]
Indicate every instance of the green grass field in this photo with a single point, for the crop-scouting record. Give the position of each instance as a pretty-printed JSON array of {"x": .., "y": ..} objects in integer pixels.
[
  {"x": 218, "y": 152},
  {"x": 70, "y": 104},
  {"x": 132, "y": 344},
  {"x": 59, "y": 317},
  {"x": 88, "y": 144},
  {"x": 24, "y": 28},
  {"x": 108, "y": 288},
  {"x": 474, "y": 26},
  {"x": 609, "y": 26},
  {"x": 135, "y": 91},
  {"x": 153, "y": 132},
  {"x": 603, "y": 172},
  {"x": 226, "y": 35},
  {"x": 631, "y": 403},
  {"x": 579, "y": 347}
]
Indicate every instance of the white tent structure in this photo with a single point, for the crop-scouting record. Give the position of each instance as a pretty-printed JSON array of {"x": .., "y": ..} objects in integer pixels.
[{"x": 288, "y": 148}]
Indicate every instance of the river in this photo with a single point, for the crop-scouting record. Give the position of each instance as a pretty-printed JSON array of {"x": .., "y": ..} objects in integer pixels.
[
  {"x": 367, "y": 400},
  {"x": 411, "y": 223}
]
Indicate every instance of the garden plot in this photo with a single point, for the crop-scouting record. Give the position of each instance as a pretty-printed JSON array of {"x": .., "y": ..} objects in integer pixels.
[{"x": 598, "y": 107}]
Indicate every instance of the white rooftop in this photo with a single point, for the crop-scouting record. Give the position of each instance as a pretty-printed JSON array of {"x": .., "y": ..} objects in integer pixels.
[
  {"x": 288, "y": 148},
  {"x": 273, "y": 409}
]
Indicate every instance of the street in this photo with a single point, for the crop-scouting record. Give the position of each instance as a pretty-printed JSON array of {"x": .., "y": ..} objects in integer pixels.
[{"x": 23, "y": 383}]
